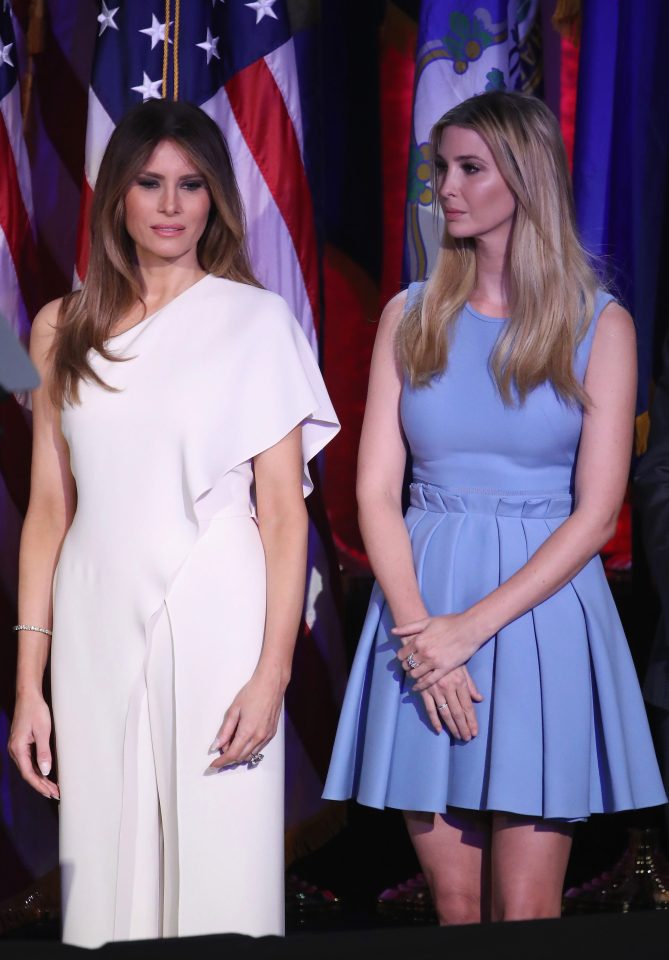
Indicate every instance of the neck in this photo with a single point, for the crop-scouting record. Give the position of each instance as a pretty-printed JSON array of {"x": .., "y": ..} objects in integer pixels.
[
  {"x": 491, "y": 286},
  {"x": 163, "y": 282}
]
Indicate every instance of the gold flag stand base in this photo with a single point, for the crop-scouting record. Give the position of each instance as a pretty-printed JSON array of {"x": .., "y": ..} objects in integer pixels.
[
  {"x": 409, "y": 902},
  {"x": 639, "y": 881},
  {"x": 39, "y": 903}
]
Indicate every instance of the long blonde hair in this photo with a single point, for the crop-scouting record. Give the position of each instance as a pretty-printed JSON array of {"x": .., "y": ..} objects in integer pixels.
[
  {"x": 551, "y": 284},
  {"x": 86, "y": 317}
]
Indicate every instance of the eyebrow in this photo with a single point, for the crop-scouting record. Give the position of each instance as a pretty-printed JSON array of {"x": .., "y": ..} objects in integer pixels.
[
  {"x": 462, "y": 157},
  {"x": 159, "y": 176}
]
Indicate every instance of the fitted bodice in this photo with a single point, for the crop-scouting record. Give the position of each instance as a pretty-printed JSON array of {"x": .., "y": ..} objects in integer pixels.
[
  {"x": 461, "y": 434},
  {"x": 215, "y": 377}
]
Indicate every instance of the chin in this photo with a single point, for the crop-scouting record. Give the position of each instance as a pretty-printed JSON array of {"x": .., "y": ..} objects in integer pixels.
[
  {"x": 164, "y": 251},
  {"x": 457, "y": 230}
]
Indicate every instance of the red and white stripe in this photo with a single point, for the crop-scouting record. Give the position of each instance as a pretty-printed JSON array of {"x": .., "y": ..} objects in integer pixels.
[
  {"x": 257, "y": 116},
  {"x": 17, "y": 242},
  {"x": 60, "y": 77},
  {"x": 99, "y": 129}
]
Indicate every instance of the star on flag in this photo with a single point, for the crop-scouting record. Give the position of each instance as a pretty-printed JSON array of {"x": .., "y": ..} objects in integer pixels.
[
  {"x": 157, "y": 31},
  {"x": 263, "y": 8},
  {"x": 5, "y": 49},
  {"x": 106, "y": 18},
  {"x": 149, "y": 89},
  {"x": 210, "y": 46}
]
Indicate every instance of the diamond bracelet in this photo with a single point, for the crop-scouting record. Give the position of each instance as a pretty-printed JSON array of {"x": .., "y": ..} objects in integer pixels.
[{"x": 26, "y": 626}]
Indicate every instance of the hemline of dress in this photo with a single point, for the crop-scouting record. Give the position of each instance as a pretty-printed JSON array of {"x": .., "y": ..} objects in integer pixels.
[{"x": 477, "y": 809}]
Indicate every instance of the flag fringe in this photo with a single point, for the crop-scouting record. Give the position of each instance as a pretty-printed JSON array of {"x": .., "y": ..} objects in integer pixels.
[
  {"x": 35, "y": 40},
  {"x": 567, "y": 18},
  {"x": 641, "y": 431}
]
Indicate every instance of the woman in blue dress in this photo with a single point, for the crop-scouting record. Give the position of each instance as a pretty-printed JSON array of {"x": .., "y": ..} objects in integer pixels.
[{"x": 493, "y": 697}]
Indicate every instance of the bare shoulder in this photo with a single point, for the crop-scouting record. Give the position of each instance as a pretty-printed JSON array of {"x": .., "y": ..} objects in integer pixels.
[
  {"x": 394, "y": 309},
  {"x": 46, "y": 321},
  {"x": 616, "y": 324},
  {"x": 44, "y": 330},
  {"x": 391, "y": 316},
  {"x": 612, "y": 361}
]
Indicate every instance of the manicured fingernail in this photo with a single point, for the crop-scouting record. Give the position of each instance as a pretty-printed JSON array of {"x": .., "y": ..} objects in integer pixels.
[
  {"x": 45, "y": 768},
  {"x": 214, "y": 747}
]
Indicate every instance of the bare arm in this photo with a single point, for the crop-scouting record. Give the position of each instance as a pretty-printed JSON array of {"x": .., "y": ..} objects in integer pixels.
[
  {"x": 602, "y": 472},
  {"x": 283, "y": 524},
  {"x": 251, "y": 721},
  {"x": 381, "y": 465},
  {"x": 50, "y": 511}
]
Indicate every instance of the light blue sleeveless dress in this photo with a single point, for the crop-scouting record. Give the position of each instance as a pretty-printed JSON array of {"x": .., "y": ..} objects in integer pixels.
[{"x": 563, "y": 728}]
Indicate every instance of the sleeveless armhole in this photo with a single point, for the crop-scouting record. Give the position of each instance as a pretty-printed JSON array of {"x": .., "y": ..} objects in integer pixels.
[{"x": 602, "y": 300}]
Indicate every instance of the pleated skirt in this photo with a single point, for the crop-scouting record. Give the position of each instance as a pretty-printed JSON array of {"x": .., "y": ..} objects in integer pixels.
[{"x": 563, "y": 731}]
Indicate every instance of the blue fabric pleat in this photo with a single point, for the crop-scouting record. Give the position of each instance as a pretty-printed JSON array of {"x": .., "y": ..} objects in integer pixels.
[{"x": 563, "y": 731}]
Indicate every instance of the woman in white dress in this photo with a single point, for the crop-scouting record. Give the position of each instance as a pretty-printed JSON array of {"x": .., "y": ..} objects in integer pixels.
[{"x": 165, "y": 550}]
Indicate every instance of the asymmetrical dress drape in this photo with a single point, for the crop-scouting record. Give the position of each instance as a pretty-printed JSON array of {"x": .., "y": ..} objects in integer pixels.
[
  {"x": 159, "y": 607},
  {"x": 562, "y": 729}
]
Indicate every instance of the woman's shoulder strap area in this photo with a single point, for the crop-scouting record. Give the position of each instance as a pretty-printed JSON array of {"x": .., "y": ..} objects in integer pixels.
[{"x": 602, "y": 299}]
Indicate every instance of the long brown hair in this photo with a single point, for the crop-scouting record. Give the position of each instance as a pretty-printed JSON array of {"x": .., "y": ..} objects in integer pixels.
[
  {"x": 86, "y": 317},
  {"x": 551, "y": 283}
]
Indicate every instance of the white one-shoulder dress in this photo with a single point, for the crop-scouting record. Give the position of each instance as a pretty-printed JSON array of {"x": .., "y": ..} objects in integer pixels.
[{"x": 159, "y": 606}]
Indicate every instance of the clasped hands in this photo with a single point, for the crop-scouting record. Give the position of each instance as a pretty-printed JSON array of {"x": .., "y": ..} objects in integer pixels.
[{"x": 434, "y": 652}]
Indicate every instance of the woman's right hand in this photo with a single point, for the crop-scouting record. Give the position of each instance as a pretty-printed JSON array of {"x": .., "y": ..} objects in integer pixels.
[
  {"x": 449, "y": 704},
  {"x": 31, "y": 728}
]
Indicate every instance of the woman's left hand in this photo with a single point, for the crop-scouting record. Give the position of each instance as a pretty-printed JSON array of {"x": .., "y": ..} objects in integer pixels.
[
  {"x": 250, "y": 721},
  {"x": 438, "y": 645}
]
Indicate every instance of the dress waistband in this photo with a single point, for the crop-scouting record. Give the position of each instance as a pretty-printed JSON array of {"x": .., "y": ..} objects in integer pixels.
[{"x": 531, "y": 506}]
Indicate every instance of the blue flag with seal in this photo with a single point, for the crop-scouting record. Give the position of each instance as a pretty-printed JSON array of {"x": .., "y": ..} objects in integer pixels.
[{"x": 464, "y": 47}]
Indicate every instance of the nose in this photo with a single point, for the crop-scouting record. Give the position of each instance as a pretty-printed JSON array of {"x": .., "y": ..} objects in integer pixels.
[
  {"x": 170, "y": 203},
  {"x": 446, "y": 184}
]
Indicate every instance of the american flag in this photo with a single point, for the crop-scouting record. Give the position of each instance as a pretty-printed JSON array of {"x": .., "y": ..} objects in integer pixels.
[
  {"x": 17, "y": 245},
  {"x": 237, "y": 60},
  {"x": 25, "y": 848}
]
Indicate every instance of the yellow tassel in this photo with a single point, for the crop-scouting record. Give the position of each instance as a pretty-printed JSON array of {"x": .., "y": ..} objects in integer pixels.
[
  {"x": 567, "y": 18},
  {"x": 641, "y": 431},
  {"x": 36, "y": 27},
  {"x": 166, "y": 47},
  {"x": 175, "y": 48},
  {"x": 35, "y": 39}
]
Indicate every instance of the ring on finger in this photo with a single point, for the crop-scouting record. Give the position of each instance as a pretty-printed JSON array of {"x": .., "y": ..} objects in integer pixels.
[
  {"x": 442, "y": 706},
  {"x": 412, "y": 663}
]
